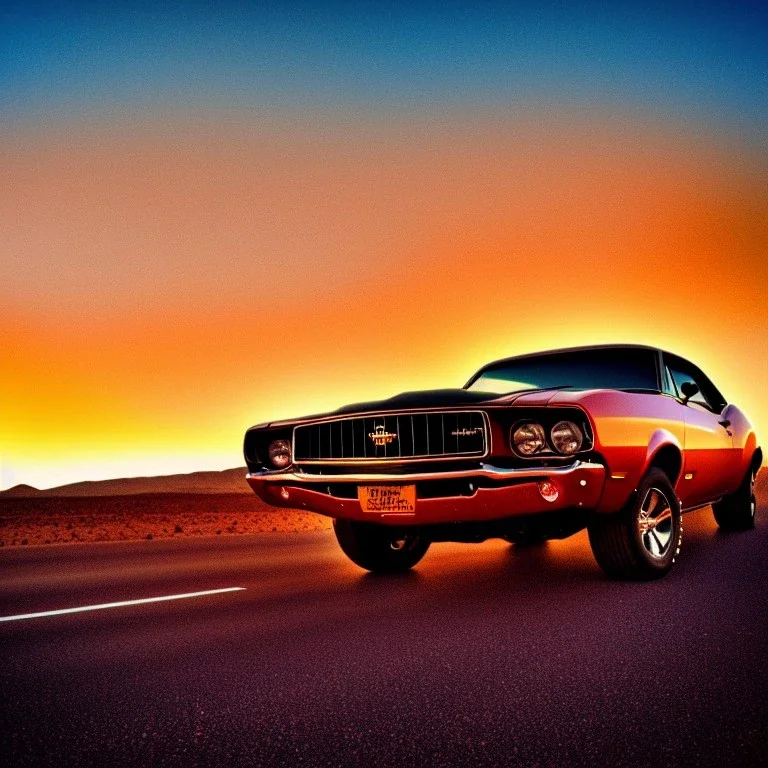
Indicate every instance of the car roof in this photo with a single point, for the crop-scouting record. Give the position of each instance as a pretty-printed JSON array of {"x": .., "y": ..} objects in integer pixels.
[{"x": 564, "y": 350}]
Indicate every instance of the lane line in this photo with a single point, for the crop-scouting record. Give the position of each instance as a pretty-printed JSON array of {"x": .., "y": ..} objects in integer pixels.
[{"x": 121, "y": 604}]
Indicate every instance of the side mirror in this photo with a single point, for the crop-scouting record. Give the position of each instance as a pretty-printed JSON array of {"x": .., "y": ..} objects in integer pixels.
[{"x": 689, "y": 389}]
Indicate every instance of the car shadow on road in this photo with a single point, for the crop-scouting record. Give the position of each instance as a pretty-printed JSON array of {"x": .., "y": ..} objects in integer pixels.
[
  {"x": 459, "y": 571},
  {"x": 496, "y": 565}
]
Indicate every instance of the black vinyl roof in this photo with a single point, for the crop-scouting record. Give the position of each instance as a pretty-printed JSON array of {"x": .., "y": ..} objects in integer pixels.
[{"x": 563, "y": 351}]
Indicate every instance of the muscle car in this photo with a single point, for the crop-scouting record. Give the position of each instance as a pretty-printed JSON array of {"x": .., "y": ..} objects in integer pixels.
[{"x": 618, "y": 439}]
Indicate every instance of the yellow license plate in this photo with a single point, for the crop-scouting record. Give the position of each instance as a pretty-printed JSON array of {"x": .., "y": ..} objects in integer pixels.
[{"x": 387, "y": 498}]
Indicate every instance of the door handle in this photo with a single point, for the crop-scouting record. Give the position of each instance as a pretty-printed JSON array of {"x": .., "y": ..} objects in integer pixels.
[{"x": 725, "y": 423}]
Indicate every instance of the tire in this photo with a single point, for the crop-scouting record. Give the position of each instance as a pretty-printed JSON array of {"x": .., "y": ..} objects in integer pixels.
[
  {"x": 526, "y": 540},
  {"x": 379, "y": 548},
  {"x": 641, "y": 541},
  {"x": 736, "y": 512}
]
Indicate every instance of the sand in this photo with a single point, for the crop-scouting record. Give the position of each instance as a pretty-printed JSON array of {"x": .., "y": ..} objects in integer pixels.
[{"x": 34, "y": 521}]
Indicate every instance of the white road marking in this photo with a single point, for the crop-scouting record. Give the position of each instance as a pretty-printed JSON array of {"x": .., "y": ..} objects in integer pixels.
[{"x": 121, "y": 604}]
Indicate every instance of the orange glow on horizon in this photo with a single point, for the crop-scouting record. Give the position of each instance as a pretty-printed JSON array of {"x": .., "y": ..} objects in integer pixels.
[{"x": 163, "y": 291}]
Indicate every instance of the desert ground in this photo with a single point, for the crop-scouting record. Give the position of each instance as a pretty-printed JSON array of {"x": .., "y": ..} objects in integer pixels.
[
  {"x": 197, "y": 504},
  {"x": 25, "y": 522},
  {"x": 202, "y": 504}
]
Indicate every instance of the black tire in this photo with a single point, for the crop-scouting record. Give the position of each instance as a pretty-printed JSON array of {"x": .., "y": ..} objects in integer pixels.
[
  {"x": 379, "y": 548},
  {"x": 736, "y": 511},
  {"x": 526, "y": 540},
  {"x": 641, "y": 541}
]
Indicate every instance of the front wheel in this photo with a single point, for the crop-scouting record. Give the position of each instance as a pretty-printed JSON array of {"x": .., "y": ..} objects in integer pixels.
[
  {"x": 642, "y": 540},
  {"x": 736, "y": 512},
  {"x": 379, "y": 548}
]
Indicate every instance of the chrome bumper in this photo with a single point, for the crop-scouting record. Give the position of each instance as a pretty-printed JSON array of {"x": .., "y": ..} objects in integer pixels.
[
  {"x": 485, "y": 470},
  {"x": 512, "y": 492}
]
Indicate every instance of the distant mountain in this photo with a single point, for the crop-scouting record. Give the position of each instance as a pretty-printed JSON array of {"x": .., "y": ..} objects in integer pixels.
[
  {"x": 227, "y": 481},
  {"x": 21, "y": 492}
]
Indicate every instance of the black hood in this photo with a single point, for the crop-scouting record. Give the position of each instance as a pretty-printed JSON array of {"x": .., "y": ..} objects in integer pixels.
[{"x": 430, "y": 398}]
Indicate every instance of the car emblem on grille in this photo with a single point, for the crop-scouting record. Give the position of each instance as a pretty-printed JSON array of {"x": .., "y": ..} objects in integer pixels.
[
  {"x": 467, "y": 432},
  {"x": 380, "y": 436}
]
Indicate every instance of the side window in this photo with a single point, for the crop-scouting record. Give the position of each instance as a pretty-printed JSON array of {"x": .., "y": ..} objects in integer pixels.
[
  {"x": 680, "y": 377},
  {"x": 682, "y": 371},
  {"x": 714, "y": 397}
]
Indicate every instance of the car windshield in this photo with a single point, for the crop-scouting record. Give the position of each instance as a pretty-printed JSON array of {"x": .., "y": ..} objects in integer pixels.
[{"x": 612, "y": 368}]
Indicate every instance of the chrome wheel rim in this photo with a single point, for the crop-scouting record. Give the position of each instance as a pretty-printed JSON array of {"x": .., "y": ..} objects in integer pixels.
[
  {"x": 654, "y": 523},
  {"x": 403, "y": 543}
]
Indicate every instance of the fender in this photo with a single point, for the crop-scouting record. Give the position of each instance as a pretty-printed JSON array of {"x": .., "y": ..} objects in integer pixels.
[
  {"x": 747, "y": 453},
  {"x": 751, "y": 456},
  {"x": 665, "y": 452}
]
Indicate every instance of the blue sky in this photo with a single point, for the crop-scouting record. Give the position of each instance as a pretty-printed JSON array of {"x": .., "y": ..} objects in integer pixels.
[{"x": 702, "y": 61}]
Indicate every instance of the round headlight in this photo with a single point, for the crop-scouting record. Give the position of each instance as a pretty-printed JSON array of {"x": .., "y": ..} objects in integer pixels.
[
  {"x": 529, "y": 438},
  {"x": 566, "y": 437},
  {"x": 280, "y": 453}
]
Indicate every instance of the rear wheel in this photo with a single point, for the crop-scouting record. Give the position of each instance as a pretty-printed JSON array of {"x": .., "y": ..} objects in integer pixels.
[
  {"x": 736, "y": 512},
  {"x": 642, "y": 540},
  {"x": 379, "y": 548}
]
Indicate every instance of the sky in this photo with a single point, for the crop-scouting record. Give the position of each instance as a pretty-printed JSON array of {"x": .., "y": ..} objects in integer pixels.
[{"x": 219, "y": 214}]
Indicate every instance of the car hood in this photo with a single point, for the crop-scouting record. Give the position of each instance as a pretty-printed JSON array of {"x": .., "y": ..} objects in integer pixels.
[{"x": 432, "y": 398}]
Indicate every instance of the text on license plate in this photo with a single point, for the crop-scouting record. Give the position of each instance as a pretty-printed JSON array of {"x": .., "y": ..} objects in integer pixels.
[{"x": 387, "y": 498}]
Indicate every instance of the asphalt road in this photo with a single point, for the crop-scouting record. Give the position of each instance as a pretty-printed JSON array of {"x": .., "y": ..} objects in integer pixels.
[{"x": 484, "y": 655}]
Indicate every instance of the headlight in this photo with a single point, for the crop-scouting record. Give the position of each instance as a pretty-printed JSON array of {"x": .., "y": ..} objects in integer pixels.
[
  {"x": 529, "y": 438},
  {"x": 280, "y": 453},
  {"x": 566, "y": 437}
]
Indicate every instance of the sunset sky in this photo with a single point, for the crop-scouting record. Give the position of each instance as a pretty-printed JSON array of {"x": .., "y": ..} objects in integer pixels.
[{"x": 212, "y": 216}]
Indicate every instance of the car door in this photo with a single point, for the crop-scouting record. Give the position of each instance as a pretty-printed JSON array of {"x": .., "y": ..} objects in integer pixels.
[{"x": 709, "y": 457}]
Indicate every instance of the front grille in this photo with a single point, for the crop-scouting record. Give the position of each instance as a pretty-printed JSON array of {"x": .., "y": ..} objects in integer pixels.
[{"x": 390, "y": 437}]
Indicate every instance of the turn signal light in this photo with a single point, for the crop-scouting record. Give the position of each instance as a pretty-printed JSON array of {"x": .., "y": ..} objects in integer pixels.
[{"x": 548, "y": 491}]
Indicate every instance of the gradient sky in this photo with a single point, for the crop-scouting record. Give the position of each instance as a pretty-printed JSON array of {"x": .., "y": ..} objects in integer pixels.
[{"x": 213, "y": 215}]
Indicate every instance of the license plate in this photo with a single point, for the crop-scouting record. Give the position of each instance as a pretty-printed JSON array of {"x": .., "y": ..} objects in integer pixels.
[{"x": 387, "y": 498}]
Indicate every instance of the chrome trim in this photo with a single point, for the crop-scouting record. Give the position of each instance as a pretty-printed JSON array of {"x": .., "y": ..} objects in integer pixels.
[
  {"x": 655, "y": 523},
  {"x": 390, "y": 459},
  {"x": 485, "y": 470}
]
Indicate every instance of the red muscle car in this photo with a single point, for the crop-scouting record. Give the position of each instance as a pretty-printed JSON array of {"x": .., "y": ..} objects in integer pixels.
[{"x": 618, "y": 439}]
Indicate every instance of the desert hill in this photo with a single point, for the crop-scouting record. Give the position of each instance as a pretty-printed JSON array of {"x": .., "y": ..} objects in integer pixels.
[
  {"x": 226, "y": 481},
  {"x": 22, "y": 491}
]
